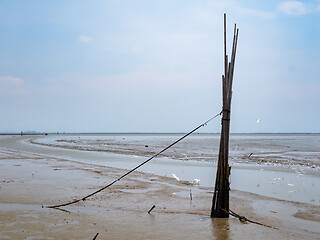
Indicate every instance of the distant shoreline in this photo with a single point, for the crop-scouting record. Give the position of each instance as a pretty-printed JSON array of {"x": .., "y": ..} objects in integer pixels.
[{"x": 150, "y": 133}]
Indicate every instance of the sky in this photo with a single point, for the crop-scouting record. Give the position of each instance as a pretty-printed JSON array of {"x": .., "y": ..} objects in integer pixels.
[{"x": 156, "y": 66}]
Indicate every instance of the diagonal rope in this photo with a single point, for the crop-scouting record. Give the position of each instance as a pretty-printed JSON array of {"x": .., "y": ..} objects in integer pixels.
[
  {"x": 141, "y": 164},
  {"x": 244, "y": 219}
]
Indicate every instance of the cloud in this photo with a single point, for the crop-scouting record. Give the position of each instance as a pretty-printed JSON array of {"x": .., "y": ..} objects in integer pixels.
[
  {"x": 11, "y": 85},
  {"x": 255, "y": 13},
  {"x": 294, "y": 8},
  {"x": 85, "y": 39}
]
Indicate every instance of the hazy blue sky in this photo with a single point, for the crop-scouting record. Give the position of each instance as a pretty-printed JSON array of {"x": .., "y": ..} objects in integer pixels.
[{"x": 155, "y": 66}]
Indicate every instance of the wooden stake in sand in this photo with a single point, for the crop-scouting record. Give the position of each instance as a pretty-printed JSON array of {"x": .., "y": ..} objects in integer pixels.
[
  {"x": 220, "y": 203},
  {"x": 95, "y": 237},
  {"x": 151, "y": 209}
]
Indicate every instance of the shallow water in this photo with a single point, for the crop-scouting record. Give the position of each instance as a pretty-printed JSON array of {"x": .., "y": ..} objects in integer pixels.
[
  {"x": 84, "y": 223},
  {"x": 257, "y": 179}
]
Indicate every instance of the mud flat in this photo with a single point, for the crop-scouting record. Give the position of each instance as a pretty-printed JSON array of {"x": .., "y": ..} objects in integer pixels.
[
  {"x": 33, "y": 178},
  {"x": 285, "y": 167}
]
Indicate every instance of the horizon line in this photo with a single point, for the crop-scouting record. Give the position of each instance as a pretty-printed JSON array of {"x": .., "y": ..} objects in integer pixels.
[{"x": 119, "y": 133}]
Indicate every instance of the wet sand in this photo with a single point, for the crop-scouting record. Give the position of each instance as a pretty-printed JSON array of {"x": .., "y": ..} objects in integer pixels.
[{"x": 30, "y": 180}]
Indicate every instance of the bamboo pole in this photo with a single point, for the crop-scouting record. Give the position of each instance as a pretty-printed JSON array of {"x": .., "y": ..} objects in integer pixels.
[
  {"x": 220, "y": 202},
  {"x": 225, "y": 44},
  {"x": 233, "y": 56}
]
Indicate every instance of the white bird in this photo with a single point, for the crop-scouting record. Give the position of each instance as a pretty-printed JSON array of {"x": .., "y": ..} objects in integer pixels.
[
  {"x": 196, "y": 181},
  {"x": 175, "y": 176},
  {"x": 258, "y": 120}
]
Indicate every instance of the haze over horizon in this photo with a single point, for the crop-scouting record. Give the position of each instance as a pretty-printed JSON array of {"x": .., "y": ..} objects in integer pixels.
[{"x": 156, "y": 66}]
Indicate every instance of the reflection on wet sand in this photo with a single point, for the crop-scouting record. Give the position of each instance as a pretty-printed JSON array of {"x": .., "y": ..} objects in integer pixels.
[{"x": 220, "y": 228}]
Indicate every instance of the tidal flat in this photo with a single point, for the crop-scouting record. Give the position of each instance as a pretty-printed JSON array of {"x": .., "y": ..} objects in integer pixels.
[{"x": 274, "y": 181}]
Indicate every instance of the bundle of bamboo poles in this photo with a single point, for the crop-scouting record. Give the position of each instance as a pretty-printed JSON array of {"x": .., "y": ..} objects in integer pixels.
[{"x": 220, "y": 203}]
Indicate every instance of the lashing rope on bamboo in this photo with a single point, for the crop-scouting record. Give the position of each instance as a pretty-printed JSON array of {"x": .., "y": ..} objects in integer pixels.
[{"x": 140, "y": 165}]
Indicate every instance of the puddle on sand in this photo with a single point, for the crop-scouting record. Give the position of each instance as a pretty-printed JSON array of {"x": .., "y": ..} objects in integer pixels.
[
  {"x": 17, "y": 206},
  {"x": 140, "y": 190},
  {"x": 284, "y": 212},
  {"x": 280, "y": 185}
]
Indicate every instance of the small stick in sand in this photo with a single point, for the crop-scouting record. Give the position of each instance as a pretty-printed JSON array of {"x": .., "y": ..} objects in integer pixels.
[
  {"x": 95, "y": 237},
  {"x": 190, "y": 195},
  {"x": 151, "y": 209}
]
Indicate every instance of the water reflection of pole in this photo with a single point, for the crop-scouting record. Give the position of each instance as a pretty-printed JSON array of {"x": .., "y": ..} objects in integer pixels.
[
  {"x": 221, "y": 192},
  {"x": 220, "y": 229}
]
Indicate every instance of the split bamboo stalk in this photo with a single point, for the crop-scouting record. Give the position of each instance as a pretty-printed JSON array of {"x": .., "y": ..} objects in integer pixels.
[{"x": 233, "y": 56}]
